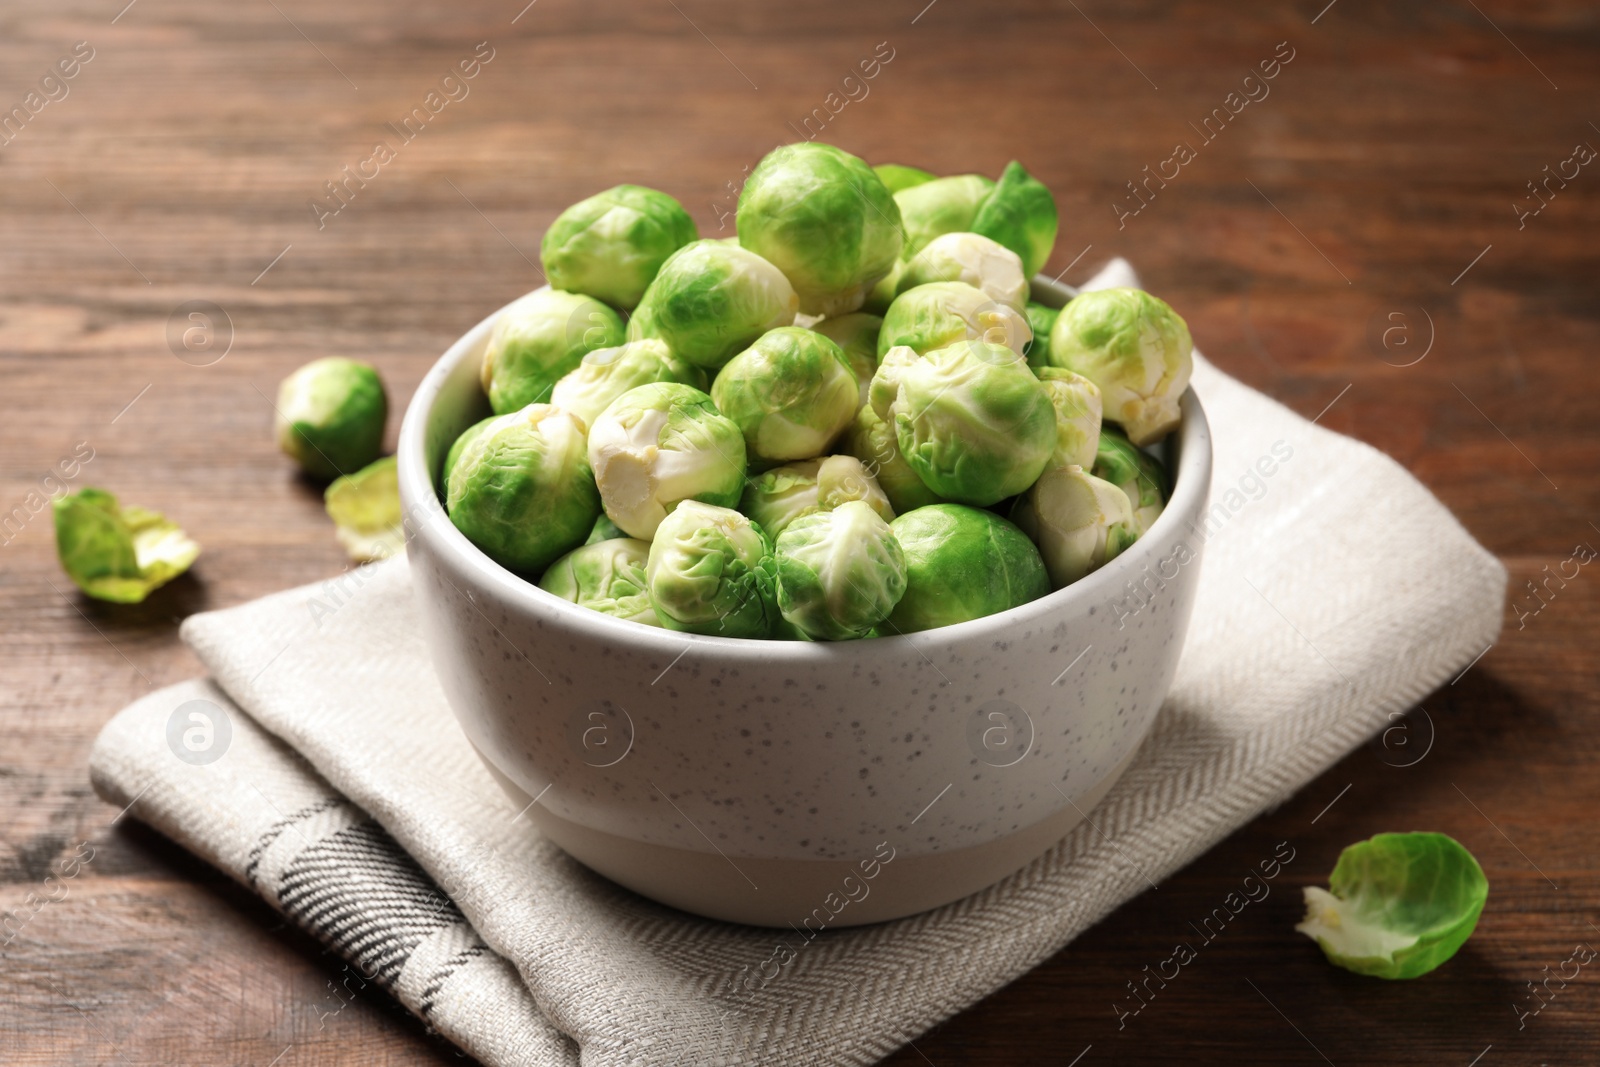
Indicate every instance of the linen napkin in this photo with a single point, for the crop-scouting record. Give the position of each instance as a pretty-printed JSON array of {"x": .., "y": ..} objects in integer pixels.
[{"x": 320, "y": 765}]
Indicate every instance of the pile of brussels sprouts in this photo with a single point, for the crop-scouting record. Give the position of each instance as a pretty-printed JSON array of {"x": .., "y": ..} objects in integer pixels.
[{"x": 848, "y": 421}]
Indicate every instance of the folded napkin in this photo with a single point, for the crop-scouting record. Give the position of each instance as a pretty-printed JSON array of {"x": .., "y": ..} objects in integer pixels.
[{"x": 321, "y": 766}]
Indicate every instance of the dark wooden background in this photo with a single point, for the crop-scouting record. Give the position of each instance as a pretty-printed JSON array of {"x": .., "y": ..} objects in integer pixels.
[{"x": 1387, "y": 157}]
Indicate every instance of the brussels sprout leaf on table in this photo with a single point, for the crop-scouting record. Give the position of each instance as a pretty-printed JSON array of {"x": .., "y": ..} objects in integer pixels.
[{"x": 117, "y": 553}]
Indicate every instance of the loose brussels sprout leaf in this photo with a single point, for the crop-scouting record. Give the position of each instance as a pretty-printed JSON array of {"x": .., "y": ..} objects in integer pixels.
[
  {"x": 971, "y": 420},
  {"x": 660, "y": 444},
  {"x": 872, "y": 441},
  {"x": 1077, "y": 404},
  {"x": 604, "y": 530},
  {"x": 1399, "y": 906},
  {"x": 1136, "y": 349},
  {"x": 330, "y": 416},
  {"x": 782, "y": 495},
  {"x": 1136, "y": 472},
  {"x": 840, "y": 572},
  {"x": 365, "y": 509},
  {"x": 1079, "y": 522},
  {"x": 710, "y": 572},
  {"x": 711, "y": 300},
  {"x": 116, "y": 553},
  {"x": 460, "y": 445},
  {"x": 944, "y": 205},
  {"x": 611, "y": 245},
  {"x": 939, "y": 314},
  {"x": 823, "y": 218},
  {"x": 972, "y": 258},
  {"x": 537, "y": 340},
  {"x": 1020, "y": 213},
  {"x": 791, "y": 393},
  {"x": 607, "y": 373},
  {"x": 522, "y": 490},
  {"x": 962, "y": 564},
  {"x": 606, "y": 576},
  {"x": 1041, "y": 320},
  {"x": 856, "y": 335},
  {"x": 896, "y": 176}
]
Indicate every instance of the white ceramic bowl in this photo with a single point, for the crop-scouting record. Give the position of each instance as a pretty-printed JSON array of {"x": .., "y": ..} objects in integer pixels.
[{"x": 783, "y": 783}]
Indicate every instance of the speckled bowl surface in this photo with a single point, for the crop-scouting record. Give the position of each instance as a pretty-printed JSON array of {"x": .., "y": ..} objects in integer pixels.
[{"x": 744, "y": 779}]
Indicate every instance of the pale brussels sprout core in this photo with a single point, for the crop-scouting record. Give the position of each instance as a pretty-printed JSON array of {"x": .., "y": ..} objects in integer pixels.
[
  {"x": 839, "y": 573},
  {"x": 115, "y": 553},
  {"x": 330, "y": 416},
  {"x": 1136, "y": 472},
  {"x": 365, "y": 509},
  {"x": 1136, "y": 349},
  {"x": 1079, "y": 522},
  {"x": 611, "y": 245},
  {"x": 939, "y": 314},
  {"x": 711, "y": 300},
  {"x": 791, "y": 393},
  {"x": 961, "y": 564},
  {"x": 856, "y": 334},
  {"x": 1077, "y": 403},
  {"x": 607, "y": 373},
  {"x": 971, "y": 419},
  {"x": 872, "y": 441},
  {"x": 781, "y": 495},
  {"x": 823, "y": 218},
  {"x": 522, "y": 490},
  {"x": 459, "y": 446},
  {"x": 710, "y": 571},
  {"x": 972, "y": 258},
  {"x": 607, "y": 576},
  {"x": 897, "y": 176},
  {"x": 1020, "y": 213},
  {"x": 537, "y": 340},
  {"x": 944, "y": 205},
  {"x": 660, "y": 444},
  {"x": 1041, "y": 320}
]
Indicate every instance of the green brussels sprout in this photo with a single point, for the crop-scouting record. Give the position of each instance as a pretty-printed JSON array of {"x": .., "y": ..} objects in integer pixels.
[
  {"x": 604, "y": 530},
  {"x": 961, "y": 564},
  {"x": 1041, "y": 320},
  {"x": 972, "y": 258},
  {"x": 839, "y": 573},
  {"x": 856, "y": 335},
  {"x": 896, "y": 176},
  {"x": 711, "y": 300},
  {"x": 607, "y": 373},
  {"x": 791, "y": 393},
  {"x": 1401, "y": 904},
  {"x": 611, "y": 245},
  {"x": 781, "y": 495},
  {"x": 522, "y": 490},
  {"x": 1077, "y": 404},
  {"x": 330, "y": 416},
  {"x": 537, "y": 340},
  {"x": 1133, "y": 470},
  {"x": 365, "y": 509},
  {"x": 971, "y": 419},
  {"x": 823, "y": 218},
  {"x": 452, "y": 457},
  {"x": 116, "y": 553},
  {"x": 710, "y": 572},
  {"x": 872, "y": 441},
  {"x": 606, "y": 576},
  {"x": 939, "y": 314},
  {"x": 1079, "y": 522},
  {"x": 944, "y": 205},
  {"x": 1136, "y": 349},
  {"x": 660, "y": 444},
  {"x": 1020, "y": 213}
]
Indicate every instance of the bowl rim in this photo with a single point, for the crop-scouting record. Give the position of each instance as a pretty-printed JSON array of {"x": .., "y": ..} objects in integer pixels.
[{"x": 426, "y": 519}]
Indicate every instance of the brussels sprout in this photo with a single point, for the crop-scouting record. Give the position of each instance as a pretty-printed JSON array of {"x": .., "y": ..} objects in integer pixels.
[
  {"x": 784, "y": 494},
  {"x": 896, "y": 176},
  {"x": 962, "y": 564},
  {"x": 873, "y": 442},
  {"x": 971, "y": 420},
  {"x": 944, "y": 205},
  {"x": 1136, "y": 349},
  {"x": 116, "y": 553},
  {"x": 537, "y": 340},
  {"x": 972, "y": 258},
  {"x": 791, "y": 393},
  {"x": 365, "y": 509},
  {"x": 459, "y": 446},
  {"x": 939, "y": 314},
  {"x": 856, "y": 335},
  {"x": 1040, "y": 320},
  {"x": 1135, "y": 471},
  {"x": 606, "y": 576},
  {"x": 711, "y": 300},
  {"x": 659, "y": 444},
  {"x": 1020, "y": 213},
  {"x": 611, "y": 245},
  {"x": 1077, "y": 404},
  {"x": 604, "y": 530},
  {"x": 522, "y": 490},
  {"x": 1079, "y": 522},
  {"x": 823, "y": 218},
  {"x": 330, "y": 416},
  {"x": 1401, "y": 904},
  {"x": 710, "y": 572},
  {"x": 839, "y": 573},
  {"x": 607, "y": 373}
]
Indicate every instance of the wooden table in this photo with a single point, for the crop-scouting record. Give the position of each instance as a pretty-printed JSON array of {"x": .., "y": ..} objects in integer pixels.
[{"x": 1372, "y": 189}]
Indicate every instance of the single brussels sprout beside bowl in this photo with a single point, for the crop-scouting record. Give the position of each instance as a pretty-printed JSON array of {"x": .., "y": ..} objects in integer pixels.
[
  {"x": 873, "y": 442},
  {"x": 1137, "y": 473},
  {"x": 1136, "y": 349},
  {"x": 972, "y": 258},
  {"x": 365, "y": 509},
  {"x": 856, "y": 334},
  {"x": 939, "y": 314},
  {"x": 711, "y": 300},
  {"x": 1077, "y": 404},
  {"x": 943, "y": 205},
  {"x": 824, "y": 219},
  {"x": 539, "y": 339},
  {"x": 961, "y": 564},
  {"x": 330, "y": 416},
  {"x": 116, "y": 553},
  {"x": 611, "y": 245},
  {"x": 607, "y": 576},
  {"x": 839, "y": 572},
  {"x": 897, "y": 176},
  {"x": 1020, "y": 213},
  {"x": 607, "y": 373},
  {"x": 1079, "y": 522},
  {"x": 1041, "y": 320},
  {"x": 459, "y": 445},
  {"x": 779, "y": 496},
  {"x": 710, "y": 571},
  {"x": 791, "y": 393}
]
